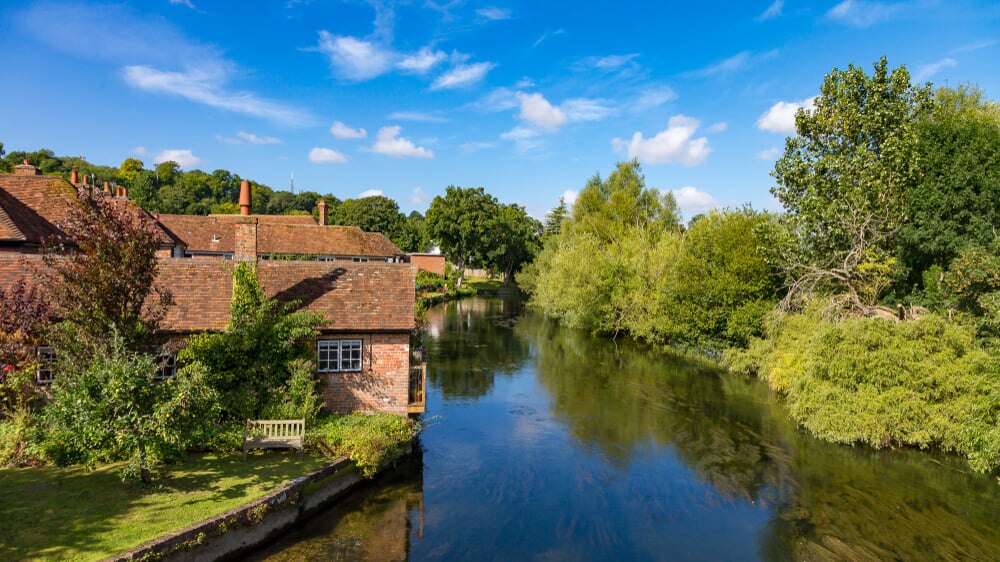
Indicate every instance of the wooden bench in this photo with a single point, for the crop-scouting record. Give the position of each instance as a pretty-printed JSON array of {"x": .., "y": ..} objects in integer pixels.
[{"x": 273, "y": 434}]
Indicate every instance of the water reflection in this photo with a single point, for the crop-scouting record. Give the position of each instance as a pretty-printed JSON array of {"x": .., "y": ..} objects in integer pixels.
[{"x": 556, "y": 445}]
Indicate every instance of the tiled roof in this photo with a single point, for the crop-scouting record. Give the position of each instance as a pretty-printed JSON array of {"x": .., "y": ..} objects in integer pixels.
[
  {"x": 373, "y": 296},
  {"x": 278, "y": 234},
  {"x": 32, "y": 207}
]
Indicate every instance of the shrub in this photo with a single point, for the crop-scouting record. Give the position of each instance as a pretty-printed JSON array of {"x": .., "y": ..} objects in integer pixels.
[
  {"x": 298, "y": 397},
  {"x": 925, "y": 383},
  {"x": 248, "y": 361},
  {"x": 371, "y": 441},
  {"x": 113, "y": 408}
]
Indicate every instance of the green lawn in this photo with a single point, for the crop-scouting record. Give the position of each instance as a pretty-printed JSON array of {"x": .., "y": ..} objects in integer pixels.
[{"x": 78, "y": 514}]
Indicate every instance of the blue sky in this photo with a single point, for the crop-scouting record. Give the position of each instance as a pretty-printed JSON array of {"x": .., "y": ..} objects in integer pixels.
[{"x": 527, "y": 99}]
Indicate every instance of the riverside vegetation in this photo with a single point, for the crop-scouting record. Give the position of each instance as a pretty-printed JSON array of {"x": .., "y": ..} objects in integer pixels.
[{"x": 872, "y": 302}]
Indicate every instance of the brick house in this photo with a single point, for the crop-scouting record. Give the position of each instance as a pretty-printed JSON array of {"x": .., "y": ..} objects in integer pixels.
[
  {"x": 355, "y": 280},
  {"x": 433, "y": 263}
]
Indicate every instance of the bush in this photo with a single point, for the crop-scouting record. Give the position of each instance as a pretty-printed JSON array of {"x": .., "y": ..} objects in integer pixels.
[
  {"x": 299, "y": 397},
  {"x": 113, "y": 409},
  {"x": 924, "y": 383},
  {"x": 427, "y": 281},
  {"x": 371, "y": 441}
]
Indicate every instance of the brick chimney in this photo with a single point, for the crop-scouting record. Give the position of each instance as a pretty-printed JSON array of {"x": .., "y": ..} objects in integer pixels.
[
  {"x": 246, "y": 200},
  {"x": 74, "y": 176},
  {"x": 322, "y": 212},
  {"x": 246, "y": 239},
  {"x": 26, "y": 169}
]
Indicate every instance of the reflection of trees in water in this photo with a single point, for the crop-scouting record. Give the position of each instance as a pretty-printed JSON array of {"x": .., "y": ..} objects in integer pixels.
[
  {"x": 622, "y": 398},
  {"x": 472, "y": 344},
  {"x": 830, "y": 501}
]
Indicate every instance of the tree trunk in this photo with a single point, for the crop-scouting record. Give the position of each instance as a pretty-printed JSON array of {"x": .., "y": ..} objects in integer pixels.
[
  {"x": 144, "y": 473},
  {"x": 461, "y": 274}
]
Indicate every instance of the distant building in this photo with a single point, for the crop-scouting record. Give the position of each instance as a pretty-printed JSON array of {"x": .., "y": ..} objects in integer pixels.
[
  {"x": 433, "y": 263},
  {"x": 358, "y": 281}
]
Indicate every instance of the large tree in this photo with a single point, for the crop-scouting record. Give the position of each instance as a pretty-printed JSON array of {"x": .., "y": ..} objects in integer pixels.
[
  {"x": 103, "y": 280},
  {"x": 956, "y": 201},
  {"x": 372, "y": 214},
  {"x": 843, "y": 181},
  {"x": 514, "y": 238},
  {"x": 458, "y": 223}
]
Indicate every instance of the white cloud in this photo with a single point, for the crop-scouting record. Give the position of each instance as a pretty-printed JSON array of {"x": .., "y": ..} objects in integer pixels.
[
  {"x": 691, "y": 200},
  {"x": 769, "y": 154},
  {"x": 371, "y": 193},
  {"x": 584, "y": 109},
  {"x": 228, "y": 140},
  {"x": 204, "y": 85},
  {"x": 675, "y": 143},
  {"x": 737, "y": 62},
  {"x": 462, "y": 75},
  {"x": 355, "y": 59},
  {"x": 925, "y": 71},
  {"x": 254, "y": 139},
  {"x": 320, "y": 155},
  {"x": 187, "y": 3},
  {"x": 569, "y": 196},
  {"x": 182, "y": 156},
  {"x": 858, "y": 13},
  {"x": 973, "y": 46},
  {"x": 416, "y": 116},
  {"x": 139, "y": 151},
  {"x": 524, "y": 83},
  {"x": 493, "y": 13},
  {"x": 609, "y": 62},
  {"x": 388, "y": 142},
  {"x": 342, "y": 131},
  {"x": 417, "y": 196},
  {"x": 476, "y": 146},
  {"x": 525, "y": 139},
  {"x": 653, "y": 97},
  {"x": 780, "y": 117},
  {"x": 537, "y": 110},
  {"x": 500, "y": 99},
  {"x": 717, "y": 127},
  {"x": 422, "y": 61},
  {"x": 772, "y": 11},
  {"x": 545, "y": 35}
]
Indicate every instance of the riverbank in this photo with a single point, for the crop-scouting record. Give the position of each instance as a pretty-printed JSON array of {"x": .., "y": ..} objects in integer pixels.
[
  {"x": 474, "y": 287},
  {"x": 75, "y": 513}
]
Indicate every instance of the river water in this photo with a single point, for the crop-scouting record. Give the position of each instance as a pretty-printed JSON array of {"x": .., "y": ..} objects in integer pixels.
[{"x": 548, "y": 444}]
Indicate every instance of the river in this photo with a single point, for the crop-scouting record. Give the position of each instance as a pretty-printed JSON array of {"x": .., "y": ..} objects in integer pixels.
[{"x": 545, "y": 443}]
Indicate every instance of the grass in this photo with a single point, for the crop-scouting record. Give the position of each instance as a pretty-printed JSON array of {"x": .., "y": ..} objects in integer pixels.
[{"x": 52, "y": 513}]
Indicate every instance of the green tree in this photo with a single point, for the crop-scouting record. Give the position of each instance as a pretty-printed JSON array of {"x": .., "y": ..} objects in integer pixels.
[
  {"x": 372, "y": 214},
  {"x": 554, "y": 219},
  {"x": 514, "y": 239},
  {"x": 458, "y": 223},
  {"x": 167, "y": 172},
  {"x": 129, "y": 170},
  {"x": 413, "y": 235},
  {"x": 843, "y": 181},
  {"x": 608, "y": 208},
  {"x": 956, "y": 201}
]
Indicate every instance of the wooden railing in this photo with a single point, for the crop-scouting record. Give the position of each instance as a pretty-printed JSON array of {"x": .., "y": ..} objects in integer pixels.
[{"x": 418, "y": 389}]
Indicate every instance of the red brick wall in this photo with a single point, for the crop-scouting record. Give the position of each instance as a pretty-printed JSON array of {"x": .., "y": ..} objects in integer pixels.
[
  {"x": 383, "y": 384},
  {"x": 433, "y": 264}
]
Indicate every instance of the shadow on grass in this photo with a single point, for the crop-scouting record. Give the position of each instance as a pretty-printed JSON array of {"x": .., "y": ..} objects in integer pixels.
[{"x": 60, "y": 513}]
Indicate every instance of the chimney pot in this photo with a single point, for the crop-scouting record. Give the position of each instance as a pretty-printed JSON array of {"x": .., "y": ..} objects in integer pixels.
[
  {"x": 246, "y": 198},
  {"x": 74, "y": 176},
  {"x": 322, "y": 212},
  {"x": 107, "y": 188},
  {"x": 25, "y": 162}
]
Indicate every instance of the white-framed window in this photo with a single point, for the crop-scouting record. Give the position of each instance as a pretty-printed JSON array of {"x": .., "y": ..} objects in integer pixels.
[
  {"x": 167, "y": 363},
  {"x": 361, "y": 260},
  {"x": 45, "y": 372},
  {"x": 337, "y": 356}
]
